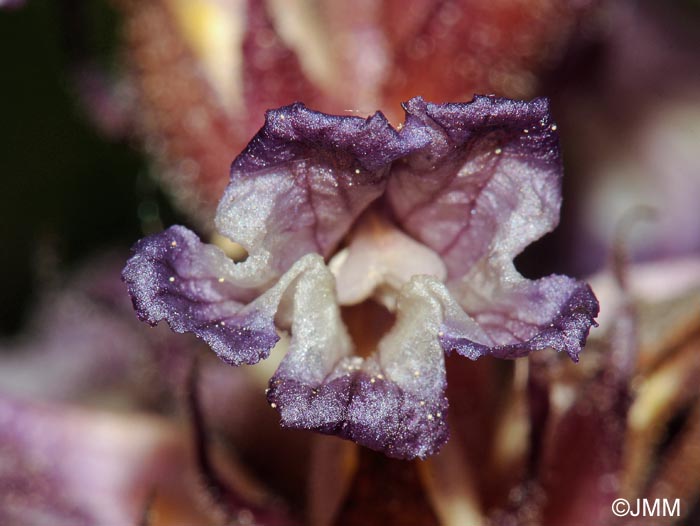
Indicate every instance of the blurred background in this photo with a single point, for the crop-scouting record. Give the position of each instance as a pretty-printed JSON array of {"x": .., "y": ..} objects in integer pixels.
[
  {"x": 69, "y": 189},
  {"x": 120, "y": 118},
  {"x": 90, "y": 162}
]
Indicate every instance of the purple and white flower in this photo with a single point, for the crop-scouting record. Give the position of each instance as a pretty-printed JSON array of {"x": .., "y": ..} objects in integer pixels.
[{"x": 339, "y": 211}]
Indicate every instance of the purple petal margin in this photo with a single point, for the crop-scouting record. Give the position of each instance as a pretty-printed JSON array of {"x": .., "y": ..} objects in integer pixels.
[
  {"x": 374, "y": 413},
  {"x": 566, "y": 332},
  {"x": 172, "y": 276}
]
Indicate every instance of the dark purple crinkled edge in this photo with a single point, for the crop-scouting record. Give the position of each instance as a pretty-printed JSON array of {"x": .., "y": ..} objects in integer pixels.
[
  {"x": 349, "y": 407},
  {"x": 244, "y": 338},
  {"x": 460, "y": 120},
  {"x": 372, "y": 141},
  {"x": 254, "y": 333},
  {"x": 566, "y": 332},
  {"x": 540, "y": 143}
]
